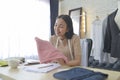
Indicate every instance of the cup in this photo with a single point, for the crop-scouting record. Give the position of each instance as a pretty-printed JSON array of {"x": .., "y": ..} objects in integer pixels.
[{"x": 13, "y": 63}]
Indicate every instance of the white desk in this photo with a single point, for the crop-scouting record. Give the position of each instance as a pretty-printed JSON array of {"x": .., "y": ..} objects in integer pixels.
[{"x": 20, "y": 74}]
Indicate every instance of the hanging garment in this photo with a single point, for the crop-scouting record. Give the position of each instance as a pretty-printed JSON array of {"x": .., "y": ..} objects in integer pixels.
[
  {"x": 97, "y": 39},
  {"x": 105, "y": 57},
  {"x": 112, "y": 37}
]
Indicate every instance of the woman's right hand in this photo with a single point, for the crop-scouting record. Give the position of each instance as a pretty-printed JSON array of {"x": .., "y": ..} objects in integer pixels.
[{"x": 60, "y": 61}]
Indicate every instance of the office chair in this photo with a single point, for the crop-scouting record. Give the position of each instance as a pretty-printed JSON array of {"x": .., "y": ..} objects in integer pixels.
[
  {"x": 90, "y": 42},
  {"x": 90, "y": 58}
]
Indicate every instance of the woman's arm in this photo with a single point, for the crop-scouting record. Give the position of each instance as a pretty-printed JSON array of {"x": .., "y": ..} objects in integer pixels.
[{"x": 75, "y": 62}]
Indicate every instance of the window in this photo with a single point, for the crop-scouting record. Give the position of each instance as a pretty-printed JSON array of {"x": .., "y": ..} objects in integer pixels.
[{"x": 20, "y": 22}]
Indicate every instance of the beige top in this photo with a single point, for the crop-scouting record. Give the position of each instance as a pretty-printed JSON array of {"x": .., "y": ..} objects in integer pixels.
[{"x": 67, "y": 46}]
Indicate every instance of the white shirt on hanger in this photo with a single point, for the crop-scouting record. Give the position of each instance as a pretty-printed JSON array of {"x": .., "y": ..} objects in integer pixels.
[
  {"x": 117, "y": 17},
  {"x": 96, "y": 35}
]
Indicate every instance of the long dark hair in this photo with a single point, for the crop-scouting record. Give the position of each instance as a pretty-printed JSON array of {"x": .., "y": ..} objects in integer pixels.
[{"x": 69, "y": 23}]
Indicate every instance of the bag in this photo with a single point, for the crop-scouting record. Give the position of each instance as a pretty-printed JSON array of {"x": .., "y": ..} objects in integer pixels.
[{"x": 78, "y": 73}]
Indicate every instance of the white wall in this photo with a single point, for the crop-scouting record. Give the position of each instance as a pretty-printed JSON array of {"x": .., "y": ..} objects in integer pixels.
[{"x": 93, "y": 8}]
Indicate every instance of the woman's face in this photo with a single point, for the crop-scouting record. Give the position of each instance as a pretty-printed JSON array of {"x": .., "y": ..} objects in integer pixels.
[{"x": 60, "y": 27}]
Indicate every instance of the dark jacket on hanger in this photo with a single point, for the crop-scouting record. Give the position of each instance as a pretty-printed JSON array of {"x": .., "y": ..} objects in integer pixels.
[{"x": 112, "y": 37}]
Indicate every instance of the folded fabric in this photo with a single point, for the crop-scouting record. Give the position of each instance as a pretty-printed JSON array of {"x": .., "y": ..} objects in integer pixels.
[
  {"x": 47, "y": 52},
  {"x": 3, "y": 63},
  {"x": 78, "y": 73}
]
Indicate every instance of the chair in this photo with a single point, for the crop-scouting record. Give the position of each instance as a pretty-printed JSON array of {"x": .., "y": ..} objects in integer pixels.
[{"x": 89, "y": 41}]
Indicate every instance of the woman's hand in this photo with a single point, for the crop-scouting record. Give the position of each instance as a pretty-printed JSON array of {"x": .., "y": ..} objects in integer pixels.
[{"x": 60, "y": 61}]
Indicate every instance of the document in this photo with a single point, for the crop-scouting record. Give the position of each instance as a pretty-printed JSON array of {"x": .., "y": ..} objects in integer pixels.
[
  {"x": 42, "y": 68},
  {"x": 31, "y": 62}
]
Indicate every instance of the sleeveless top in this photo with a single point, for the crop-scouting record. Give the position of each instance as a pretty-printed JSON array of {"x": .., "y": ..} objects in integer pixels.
[{"x": 70, "y": 48}]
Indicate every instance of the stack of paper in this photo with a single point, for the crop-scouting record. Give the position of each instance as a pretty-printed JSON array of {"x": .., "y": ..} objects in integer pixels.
[
  {"x": 31, "y": 62},
  {"x": 42, "y": 68}
]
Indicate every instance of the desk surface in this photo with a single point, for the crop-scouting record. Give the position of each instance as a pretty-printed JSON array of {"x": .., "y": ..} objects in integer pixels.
[{"x": 19, "y": 74}]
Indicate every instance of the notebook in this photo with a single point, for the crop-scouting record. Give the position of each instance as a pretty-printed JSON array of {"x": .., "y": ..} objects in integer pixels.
[{"x": 42, "y": 68}]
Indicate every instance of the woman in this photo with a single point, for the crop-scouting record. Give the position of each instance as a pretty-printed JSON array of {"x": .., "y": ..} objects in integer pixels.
[{"x": 66, "y": 41}]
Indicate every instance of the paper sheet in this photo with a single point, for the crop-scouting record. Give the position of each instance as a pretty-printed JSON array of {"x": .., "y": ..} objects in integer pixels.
[
  {"x": 31, "y": 62},
  {"x": 42, "y": 68},
  {"x": 1, "y": 79}
]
